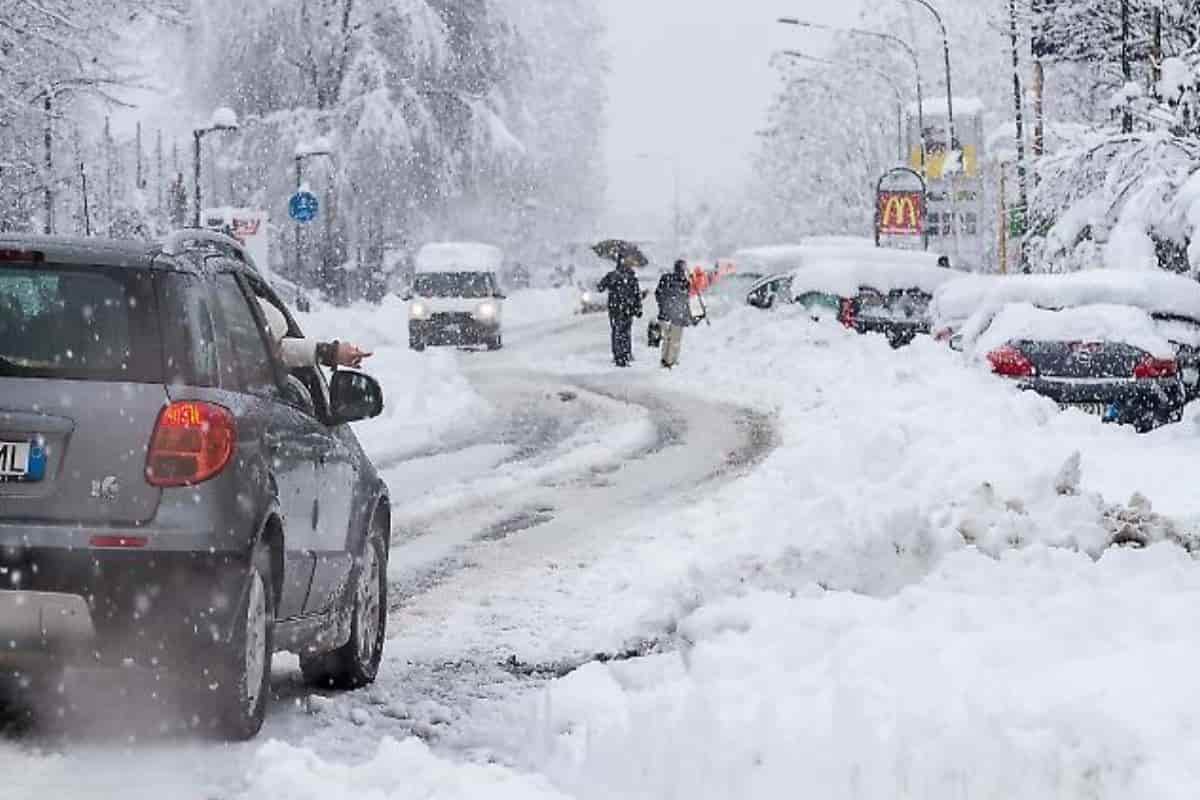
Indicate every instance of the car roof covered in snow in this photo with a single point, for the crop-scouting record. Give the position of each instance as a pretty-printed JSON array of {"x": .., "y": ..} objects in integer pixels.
[
  {"x": 1153, "y": 292},
  {"x": 1099, "y": 322},
  {"x": 846, "y": 278},
  {"x": 822, "y": 250},
  {"x": 459, "y": 257}
]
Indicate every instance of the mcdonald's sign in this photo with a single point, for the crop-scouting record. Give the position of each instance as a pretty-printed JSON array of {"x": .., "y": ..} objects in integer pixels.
[{"x": 901, "y": 213}]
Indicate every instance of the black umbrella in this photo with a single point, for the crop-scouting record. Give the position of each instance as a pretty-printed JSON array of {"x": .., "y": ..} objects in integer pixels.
[{"x": 620, "y": 249}]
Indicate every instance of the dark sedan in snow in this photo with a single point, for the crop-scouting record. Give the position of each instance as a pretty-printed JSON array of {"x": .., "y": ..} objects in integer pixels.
[{"x": 1107, "y": 361}]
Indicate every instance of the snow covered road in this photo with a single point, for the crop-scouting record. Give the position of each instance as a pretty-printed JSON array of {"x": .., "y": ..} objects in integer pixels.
[
  {"x": 500, "y": 524},
  {"x": 801, "y": 559}
]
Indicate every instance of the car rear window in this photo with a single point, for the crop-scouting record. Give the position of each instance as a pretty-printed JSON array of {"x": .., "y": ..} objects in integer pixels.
[{"x": 73, "y": 322}]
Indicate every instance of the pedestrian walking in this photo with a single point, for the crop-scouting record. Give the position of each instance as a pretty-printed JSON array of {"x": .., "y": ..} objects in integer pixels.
[
  {"x": 624, "y": 303},
  {"x": 674, "y": 311}
]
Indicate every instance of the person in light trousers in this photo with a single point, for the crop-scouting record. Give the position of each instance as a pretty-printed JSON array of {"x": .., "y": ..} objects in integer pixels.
[{"x": 674, "y": 311}]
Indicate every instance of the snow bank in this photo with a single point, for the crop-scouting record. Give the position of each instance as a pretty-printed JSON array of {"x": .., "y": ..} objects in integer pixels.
[
  {"x": 1153, "y": 292},
  {"x": 915, "y": 595},
  {"x": 1092, "y": 323},
  {"x": 398, "y": 771},
  {"x": 845, "y": 278},
  {"x": 425, "y": 394},
  {"x": 459, "y": 256}
]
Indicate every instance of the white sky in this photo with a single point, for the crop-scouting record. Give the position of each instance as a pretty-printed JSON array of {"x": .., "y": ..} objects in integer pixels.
[{"x": 690, "y": 79}]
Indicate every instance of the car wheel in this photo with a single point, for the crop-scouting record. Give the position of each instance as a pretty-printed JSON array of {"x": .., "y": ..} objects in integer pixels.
[
  {"x": 496, "y": 342},
  {"x": 356, "y": 663},
  {"x": 243, "y": 673},
  {"x": 416, "y": 344}
]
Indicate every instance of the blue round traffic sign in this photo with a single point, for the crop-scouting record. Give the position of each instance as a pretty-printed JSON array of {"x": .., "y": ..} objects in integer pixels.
[{"x": 304, "y": 206}]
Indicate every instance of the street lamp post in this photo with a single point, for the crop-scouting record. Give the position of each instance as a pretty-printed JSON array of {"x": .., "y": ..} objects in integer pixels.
[
  {"x": 320, "y": 148},
  {"x": 887, "y": 37},
  {"x": 953, "y": 144},
  {"x": 882, "y": 74},
  {"x": 946, "y": 56},
  {"x": 223, "y": 119}
]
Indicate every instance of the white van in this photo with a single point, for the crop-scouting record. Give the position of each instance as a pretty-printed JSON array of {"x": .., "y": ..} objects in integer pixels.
[{"x": 455, "y": 297}]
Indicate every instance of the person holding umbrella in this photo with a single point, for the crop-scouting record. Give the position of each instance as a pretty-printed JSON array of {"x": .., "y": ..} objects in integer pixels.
[{"x": 624, "y": 303}]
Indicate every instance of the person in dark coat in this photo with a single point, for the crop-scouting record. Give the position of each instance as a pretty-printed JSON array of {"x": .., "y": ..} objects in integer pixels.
[
  {"x": 624, "y": 303},
  {"x": 674, "y": 311}
]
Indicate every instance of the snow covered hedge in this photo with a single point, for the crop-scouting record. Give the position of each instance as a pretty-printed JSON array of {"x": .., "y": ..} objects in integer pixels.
[{"x": 1122, "y": 202}]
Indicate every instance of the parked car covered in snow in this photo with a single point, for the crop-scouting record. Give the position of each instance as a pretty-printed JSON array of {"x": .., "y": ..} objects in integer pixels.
[
  {"x": 455, "y": 298},
  {"x": 1168, "y": 306},
  {"x": 889, "y": 297}
]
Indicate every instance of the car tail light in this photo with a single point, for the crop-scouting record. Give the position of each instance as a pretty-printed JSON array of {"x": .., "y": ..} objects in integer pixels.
[
  {"x": 847, "y": 315},
  {"x": 192, "y": 442},
  {"x": 22, "y": 256},
  {"x": 1010, "y": 362},
  {"x": 1151, "y": 367}
]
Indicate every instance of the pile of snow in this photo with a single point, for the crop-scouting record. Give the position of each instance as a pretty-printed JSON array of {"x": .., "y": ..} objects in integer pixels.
[
  {"x": 398, "y": 771},
  {"x": 459, "y": 257},
  {"x": 916, "y": 594},
  {"x": 846, "y": 278},
  {"x": 1154, "y": 292},
  {"x": 425, "y": 394},
  {"x": 1090, "y": 323}
]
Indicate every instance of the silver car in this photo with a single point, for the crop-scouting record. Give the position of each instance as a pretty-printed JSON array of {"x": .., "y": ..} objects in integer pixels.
[{"x": 170, "y": 496}]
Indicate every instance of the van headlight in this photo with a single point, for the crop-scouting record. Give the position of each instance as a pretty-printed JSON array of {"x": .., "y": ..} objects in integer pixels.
[
  {"x": 486, "y": 312},
  {"x": 587, "y": 298},
  {"x": 418, "y": 311}
]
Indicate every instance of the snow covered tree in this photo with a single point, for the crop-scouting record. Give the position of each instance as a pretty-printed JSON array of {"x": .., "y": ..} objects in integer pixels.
[{"x": 446, "y": 118}]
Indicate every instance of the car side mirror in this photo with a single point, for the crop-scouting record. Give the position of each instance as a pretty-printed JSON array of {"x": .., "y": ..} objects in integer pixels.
[{"x": 354, "y": 396}]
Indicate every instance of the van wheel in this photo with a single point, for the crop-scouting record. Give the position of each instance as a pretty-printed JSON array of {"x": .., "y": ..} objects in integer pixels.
[
  {"x": 241, "y": 679},
  {"x": 356, "y": 663}
]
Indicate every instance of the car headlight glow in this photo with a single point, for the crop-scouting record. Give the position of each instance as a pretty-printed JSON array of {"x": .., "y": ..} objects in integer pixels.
[
  {"x": 486, "y": 311},
  {"x": 418, "y": 310},
  {"x": 587, "y": 298}
]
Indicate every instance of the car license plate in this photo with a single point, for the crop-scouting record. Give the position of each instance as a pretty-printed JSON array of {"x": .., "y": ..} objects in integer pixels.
[
  {"x": 1106, "y": 411},
  {"x": 22, "y": 461}
]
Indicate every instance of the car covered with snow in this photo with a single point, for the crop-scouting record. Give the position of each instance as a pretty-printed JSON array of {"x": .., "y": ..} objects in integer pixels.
[
  {"x": 889, "y": 296},
  {"x": 1109, "y": 361},
  {"x": 1168, "y": 303},
  {"x": 455, "y": 298}
]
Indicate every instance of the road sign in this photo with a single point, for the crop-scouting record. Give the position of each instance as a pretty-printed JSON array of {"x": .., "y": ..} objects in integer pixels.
[
  {"x": 1018, "y": 221},
  {"x": 304, "y": 206}
]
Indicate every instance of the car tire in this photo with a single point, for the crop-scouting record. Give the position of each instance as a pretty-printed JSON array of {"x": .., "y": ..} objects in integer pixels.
[
  {"x": 243, "y": 671},
  {"x": 356, "y": 663},
  {"x": 496, "y": 342},
  {"x": 416, "y": 344}
]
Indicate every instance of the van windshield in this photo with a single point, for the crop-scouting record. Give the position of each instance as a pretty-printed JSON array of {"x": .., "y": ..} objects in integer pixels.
[
  {"x": 470, "y": 285},
  {"x": 78, "y": 323}
]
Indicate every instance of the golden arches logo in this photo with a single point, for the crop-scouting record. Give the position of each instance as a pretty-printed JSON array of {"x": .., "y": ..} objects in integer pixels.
[{"x": 900, "y": 213}]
